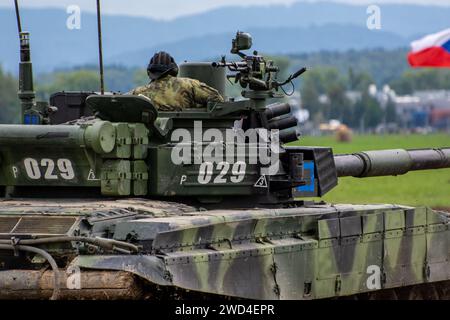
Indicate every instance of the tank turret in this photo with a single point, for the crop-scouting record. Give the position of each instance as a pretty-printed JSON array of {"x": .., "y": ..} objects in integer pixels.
[{"x": 131, "y": 149}]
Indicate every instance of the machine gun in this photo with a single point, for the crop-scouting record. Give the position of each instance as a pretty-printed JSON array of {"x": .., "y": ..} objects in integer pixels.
[{"x": 254, "y": 71}]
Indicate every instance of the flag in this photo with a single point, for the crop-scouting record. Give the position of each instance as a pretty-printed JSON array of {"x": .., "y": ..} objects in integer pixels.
[{"x": 431, "y": 51}]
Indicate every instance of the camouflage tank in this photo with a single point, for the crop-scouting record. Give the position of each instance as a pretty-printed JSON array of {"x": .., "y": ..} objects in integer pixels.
[{"x": 104, "y": 197}]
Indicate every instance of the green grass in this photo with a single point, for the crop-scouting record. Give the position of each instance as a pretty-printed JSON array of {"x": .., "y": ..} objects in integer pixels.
[{"x": 421, "y": 188}]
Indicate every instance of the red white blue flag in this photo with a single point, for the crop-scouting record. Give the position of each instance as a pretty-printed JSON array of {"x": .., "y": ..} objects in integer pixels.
[{"x": 431, "y": 51}]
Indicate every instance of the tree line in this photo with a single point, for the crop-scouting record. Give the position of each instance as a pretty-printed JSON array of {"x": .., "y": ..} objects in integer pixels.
[{"x": 324, "y": 95}]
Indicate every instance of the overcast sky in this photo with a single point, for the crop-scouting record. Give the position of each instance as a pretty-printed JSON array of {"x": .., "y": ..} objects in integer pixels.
[{"x": 168, "y": 9}]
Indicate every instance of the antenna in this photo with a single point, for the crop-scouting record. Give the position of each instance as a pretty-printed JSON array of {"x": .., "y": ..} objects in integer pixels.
[
  {"x": 19, "y": 25},
  {"x": 100, "y": 51},
  {"x": 26, "y": 93}
]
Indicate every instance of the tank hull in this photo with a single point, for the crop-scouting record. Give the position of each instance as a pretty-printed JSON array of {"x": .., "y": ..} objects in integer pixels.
[{"x": 311, "y": 252}]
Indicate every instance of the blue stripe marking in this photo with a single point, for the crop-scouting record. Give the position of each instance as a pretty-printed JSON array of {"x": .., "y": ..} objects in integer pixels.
[
  {"x": 27, "y": 119},
  {"x": 308, "y": 165},
  {"x": 31, "y": 119},
  {"x": 446, "y": 46}
]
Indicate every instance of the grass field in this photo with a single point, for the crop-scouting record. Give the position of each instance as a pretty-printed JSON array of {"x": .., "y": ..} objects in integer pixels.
[{"x": 425, "y": 188}]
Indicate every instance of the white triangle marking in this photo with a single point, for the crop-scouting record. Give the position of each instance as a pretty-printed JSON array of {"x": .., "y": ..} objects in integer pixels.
[
  {"x": 91, "y": 176},
  {"x": 261, "y": 183}
]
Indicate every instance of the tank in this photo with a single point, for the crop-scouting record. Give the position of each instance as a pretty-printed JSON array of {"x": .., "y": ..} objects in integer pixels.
[{"x": 133, "y": 203}]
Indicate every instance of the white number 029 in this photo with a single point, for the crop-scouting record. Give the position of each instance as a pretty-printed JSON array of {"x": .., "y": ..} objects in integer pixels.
[
  {"x": 46, "y": 167},
  {"x": 206, "y": 171}
]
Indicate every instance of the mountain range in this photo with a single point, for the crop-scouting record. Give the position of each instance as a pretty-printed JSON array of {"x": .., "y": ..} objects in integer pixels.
[{"x": 130, "y": 41}]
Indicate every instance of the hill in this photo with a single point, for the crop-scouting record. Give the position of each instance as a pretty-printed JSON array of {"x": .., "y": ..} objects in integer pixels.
[
  {"x": 385, "y": 66},
  {"x": 274, "y": 41},
  {"x": 301, "y": 27}
]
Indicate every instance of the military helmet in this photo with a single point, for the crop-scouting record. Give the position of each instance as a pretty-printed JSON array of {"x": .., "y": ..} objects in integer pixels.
[{"x": 161, "y": 64}]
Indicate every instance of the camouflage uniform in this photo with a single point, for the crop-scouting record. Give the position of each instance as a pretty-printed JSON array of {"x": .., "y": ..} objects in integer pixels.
[{"x": 175, "y": 94}]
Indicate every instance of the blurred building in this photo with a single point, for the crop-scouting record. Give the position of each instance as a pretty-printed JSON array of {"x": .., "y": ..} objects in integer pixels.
[
  {"x": 422, "y": 109},
  {"x": 353, "y": 96},
  {"x": 425, "y": 108},
  {"x": 440, "y": 118}
]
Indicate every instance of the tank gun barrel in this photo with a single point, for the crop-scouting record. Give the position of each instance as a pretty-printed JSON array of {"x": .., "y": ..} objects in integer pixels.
[{"x": 390, "y": 162}]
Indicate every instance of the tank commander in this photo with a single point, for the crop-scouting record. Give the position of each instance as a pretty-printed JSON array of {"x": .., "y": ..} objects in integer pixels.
[{"x": 170, "y": 93}]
